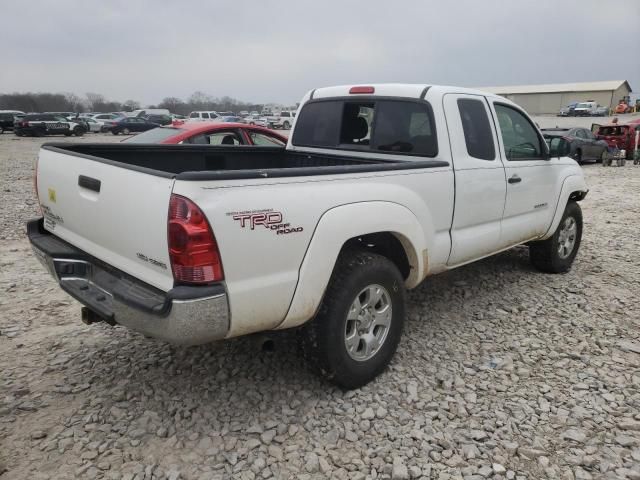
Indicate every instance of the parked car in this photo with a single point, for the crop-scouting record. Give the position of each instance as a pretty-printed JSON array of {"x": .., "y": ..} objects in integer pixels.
[
  {"x": 582, "y": 142},
  {"x": 258, "y": 120},
  {"x": 231, "y": 119},
  {"x": 202, "y": 133},
  {"x": 41, "y": 124},
  {"x": 107, "y": 120},
  {"x": 159, "y": 119},
  {"x": 90, "y": 124},
  {"x": 568, "y": 111},
  {"x": 145, "y": 112},
  {"x": 601, "y": 111},
  {"x": 191, "y": 244},
  {"x": 284, "y": 120},
  {"x": 203, "y": 116},
  {"x": 618, "y": 135},
  {"x": 130, "y": 125},
  {"x": 8, "y": 118},
  {"x": 585, "y": 109}
]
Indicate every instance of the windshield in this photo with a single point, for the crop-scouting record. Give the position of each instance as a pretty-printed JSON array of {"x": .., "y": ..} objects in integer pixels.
[
  {"x": 583, "y": 105},
  {"x": 155, "y": 135}
]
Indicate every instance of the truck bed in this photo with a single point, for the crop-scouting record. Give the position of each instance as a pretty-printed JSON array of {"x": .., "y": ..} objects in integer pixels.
[{"x": 197, "y": 162}]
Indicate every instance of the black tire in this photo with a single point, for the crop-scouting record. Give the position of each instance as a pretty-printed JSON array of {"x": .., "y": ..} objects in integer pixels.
[
  {"x": 286, "y": 125},
  {"x": 545, "y": 255},
  {"x": 78, "y": 131},
  {"x": 115, "y": 132},
  {"x": 323, "y": 339},
  {"x": 603, "y": 156},
  {"x": 67, "y": 134}
]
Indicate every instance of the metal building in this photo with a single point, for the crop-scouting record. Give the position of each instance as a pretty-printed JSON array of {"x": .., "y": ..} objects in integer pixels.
[{"x": 548, "y": 99}]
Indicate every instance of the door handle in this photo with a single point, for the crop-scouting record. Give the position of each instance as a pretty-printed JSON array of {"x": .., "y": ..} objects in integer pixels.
[
  {"x": 89, "y": 183},
  {"x": 515, "y": 179}
]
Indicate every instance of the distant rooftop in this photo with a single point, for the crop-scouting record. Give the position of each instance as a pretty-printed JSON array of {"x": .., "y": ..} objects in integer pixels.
[{"x": 558, "y": 87}]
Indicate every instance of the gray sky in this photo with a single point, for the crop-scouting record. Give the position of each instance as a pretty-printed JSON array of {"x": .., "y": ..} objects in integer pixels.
[{"x": 270, "y": 50}]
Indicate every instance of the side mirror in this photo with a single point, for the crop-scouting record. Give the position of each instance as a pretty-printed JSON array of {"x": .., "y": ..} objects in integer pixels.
[{"x": 559, "y": 147}]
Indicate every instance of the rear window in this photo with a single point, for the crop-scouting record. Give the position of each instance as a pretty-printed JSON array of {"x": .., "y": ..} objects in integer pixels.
[
  {"x": 385, "y": 126},
  {"x": 477, "y": 130},
  {"x": 618, "y": 130},
  {"x": 155, "y": 135}
]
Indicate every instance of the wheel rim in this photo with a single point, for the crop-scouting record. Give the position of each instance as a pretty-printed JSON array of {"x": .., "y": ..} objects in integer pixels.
[
  {"x": 567, "y": 237},
  {"x": 368, "y": 322},
  {"x": 125, "y": 131}
]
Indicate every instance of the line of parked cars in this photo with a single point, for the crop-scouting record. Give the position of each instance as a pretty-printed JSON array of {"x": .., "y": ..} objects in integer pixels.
[
  {"x": 597, "y": 144},
  {"x": 69, "y": 123},
  {"x": 583, "y": 109}
]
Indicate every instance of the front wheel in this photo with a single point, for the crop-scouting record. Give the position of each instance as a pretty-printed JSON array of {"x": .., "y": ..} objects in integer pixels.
[
  {"x": 358, "y": 326},
  {"x": 78, "y": 132},
  {"x": 126, "y": 131},
  {"x": 603, "y": 156},
  {"x": 556, "y": 254}
]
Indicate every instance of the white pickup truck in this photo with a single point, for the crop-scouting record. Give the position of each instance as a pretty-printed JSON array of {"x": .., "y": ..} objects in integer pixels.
[{"x": 379, "y": 187}]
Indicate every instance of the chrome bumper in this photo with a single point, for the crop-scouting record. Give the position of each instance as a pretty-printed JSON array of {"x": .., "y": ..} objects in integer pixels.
[{"x": 184, "y": 315}]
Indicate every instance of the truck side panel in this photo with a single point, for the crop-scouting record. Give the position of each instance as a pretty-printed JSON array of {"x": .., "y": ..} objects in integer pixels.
[{"x": 264, "y": 230}]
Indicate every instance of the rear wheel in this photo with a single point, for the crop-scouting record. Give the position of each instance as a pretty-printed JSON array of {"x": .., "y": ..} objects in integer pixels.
[
  {"x": 78, "y": 131},
  {"x": 556, "y": 254},
  {"x": 115, "y": 132},
  {"x": 286, "y": 125},
  {"x": 358, "y": 326}
]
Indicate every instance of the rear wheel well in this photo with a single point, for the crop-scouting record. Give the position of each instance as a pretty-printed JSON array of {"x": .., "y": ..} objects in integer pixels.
[{"x": 385, "y": 244}]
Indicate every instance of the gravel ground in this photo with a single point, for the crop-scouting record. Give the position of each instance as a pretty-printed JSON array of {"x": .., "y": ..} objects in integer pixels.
[{"x": 502, "y": 372}]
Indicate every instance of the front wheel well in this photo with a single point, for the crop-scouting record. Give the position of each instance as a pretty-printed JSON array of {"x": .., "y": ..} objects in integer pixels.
[
  {"x": 385, "y": 244},
  {"x": 578, "y": 195}
]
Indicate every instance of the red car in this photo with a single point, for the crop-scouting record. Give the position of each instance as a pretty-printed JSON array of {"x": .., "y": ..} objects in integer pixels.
[
  {"x": 211, "y": 133},
  {"x": 619, "y": 135}
]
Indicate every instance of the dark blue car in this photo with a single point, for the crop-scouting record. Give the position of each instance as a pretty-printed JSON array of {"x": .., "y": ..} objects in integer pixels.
[{"x": 128, "y": 125}]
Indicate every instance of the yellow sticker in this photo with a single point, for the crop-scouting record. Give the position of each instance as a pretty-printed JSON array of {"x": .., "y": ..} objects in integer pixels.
[{"x": 52, "y": 195}]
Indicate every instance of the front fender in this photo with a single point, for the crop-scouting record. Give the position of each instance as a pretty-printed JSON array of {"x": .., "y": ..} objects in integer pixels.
[
  {"x": 334, "y": 229},
  {"x": 571, "y": 185}
]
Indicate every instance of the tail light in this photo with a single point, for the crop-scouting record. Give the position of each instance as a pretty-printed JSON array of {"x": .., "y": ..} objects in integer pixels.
[{"x": 194, "y": 254}]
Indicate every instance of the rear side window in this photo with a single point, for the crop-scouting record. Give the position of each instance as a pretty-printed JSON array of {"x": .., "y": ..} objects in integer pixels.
[
  {"x": 477, "y": 129},
  {"x": 204, "y": 115},
  {"x": 386, "y": 126}
]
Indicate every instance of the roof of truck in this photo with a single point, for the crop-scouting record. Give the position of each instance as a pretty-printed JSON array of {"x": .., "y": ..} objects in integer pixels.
[{"x": 409, "y": 90}]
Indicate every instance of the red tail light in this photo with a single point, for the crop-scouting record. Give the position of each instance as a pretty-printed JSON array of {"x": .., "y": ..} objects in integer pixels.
[
  {"x": 193, "y": 250},
  {"x": 362, "y": 90}
]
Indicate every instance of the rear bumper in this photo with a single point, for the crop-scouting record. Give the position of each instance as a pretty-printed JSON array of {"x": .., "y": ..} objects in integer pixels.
[{"x": 184, "y": 315}]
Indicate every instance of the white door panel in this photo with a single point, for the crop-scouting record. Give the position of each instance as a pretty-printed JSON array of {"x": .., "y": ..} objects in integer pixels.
[
  {"x": 480, "y": 184},
  {"x": 531, "y": 180}
]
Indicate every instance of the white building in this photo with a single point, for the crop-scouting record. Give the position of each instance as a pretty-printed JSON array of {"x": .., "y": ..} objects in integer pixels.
[{"x": 541, "y": 99}]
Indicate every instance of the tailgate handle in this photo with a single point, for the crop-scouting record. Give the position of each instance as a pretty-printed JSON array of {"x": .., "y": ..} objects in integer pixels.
[{"x": 89, "y": 183}]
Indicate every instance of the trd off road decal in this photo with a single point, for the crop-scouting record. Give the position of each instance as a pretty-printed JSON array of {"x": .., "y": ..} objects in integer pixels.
[{"x": 267, "y": 218}]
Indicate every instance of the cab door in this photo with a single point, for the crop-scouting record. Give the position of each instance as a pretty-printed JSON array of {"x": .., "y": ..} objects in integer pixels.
[
  {"x": 531, "y": 177},
  {"x": 479, "y": 178}
]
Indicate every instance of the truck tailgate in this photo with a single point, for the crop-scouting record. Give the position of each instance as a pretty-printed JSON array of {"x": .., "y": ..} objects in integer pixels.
[{"x": 115, "y": 214}]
